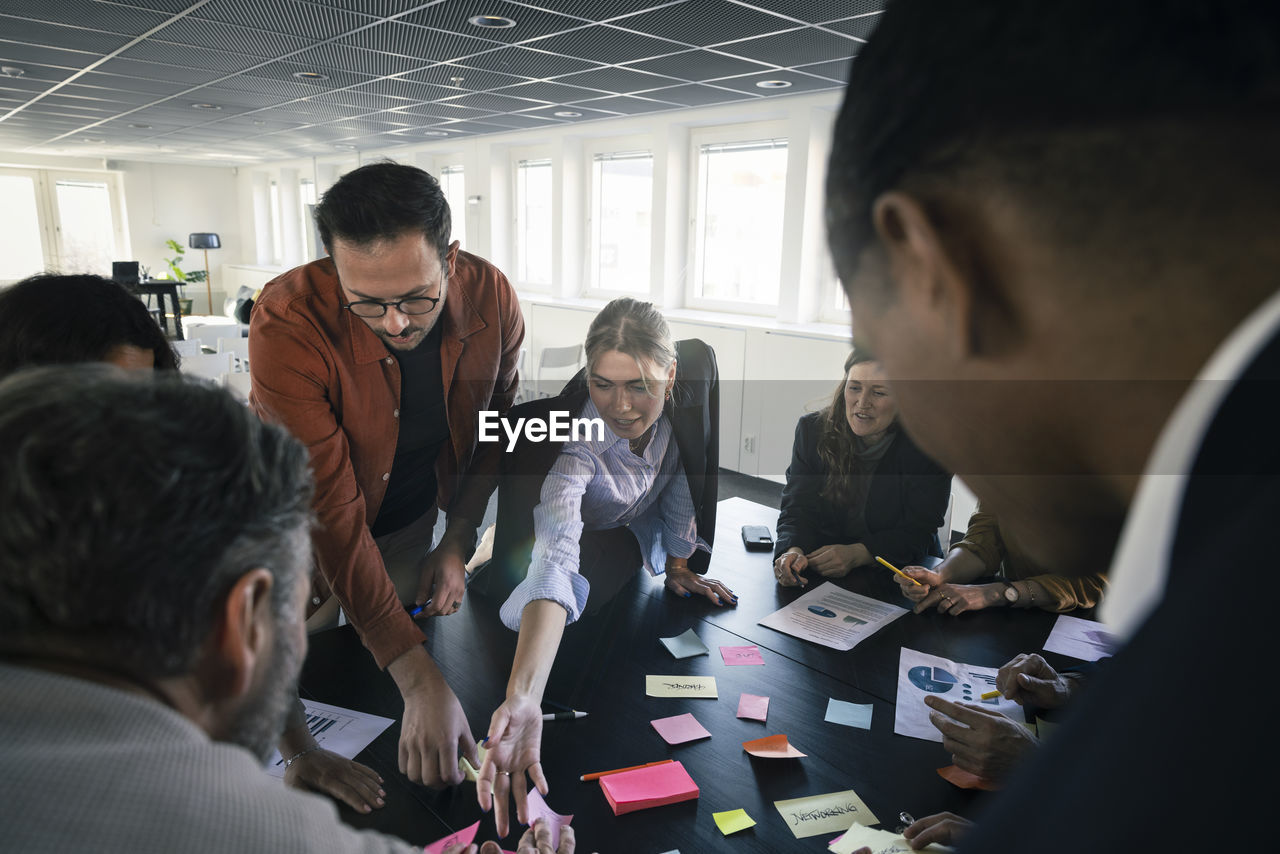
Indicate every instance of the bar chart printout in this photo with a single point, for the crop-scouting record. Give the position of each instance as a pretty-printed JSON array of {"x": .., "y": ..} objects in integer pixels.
[{"x": 344, "y": 731}]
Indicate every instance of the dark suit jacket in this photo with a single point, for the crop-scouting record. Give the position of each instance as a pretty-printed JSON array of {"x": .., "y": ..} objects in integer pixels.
[
  {"x": 905, "y": 504},
  {"x": 694, "y": 410},
  {"x": 1173, "y": 746}
]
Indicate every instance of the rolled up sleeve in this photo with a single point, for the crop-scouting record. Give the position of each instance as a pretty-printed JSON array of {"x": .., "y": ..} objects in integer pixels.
[
  {"x": 557, "y": 525},
  {"x": 679, "y": 519}
]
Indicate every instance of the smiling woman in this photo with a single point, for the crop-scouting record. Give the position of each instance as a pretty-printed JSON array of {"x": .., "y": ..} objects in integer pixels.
[
  {"x": 576, "y": 521},
  {"x": 857, "y": 486}
]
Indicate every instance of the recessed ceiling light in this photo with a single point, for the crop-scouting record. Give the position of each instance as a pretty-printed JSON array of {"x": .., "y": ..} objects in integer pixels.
[
  {"x": 345, "y": 147},
  {"x": 12, "y": 71},
  {"x": 205, "y": 107},
  {"x": 140, "y": 126},
  {"x": 258, "y": 123},
  {"x": 567, "y": 114},
  {"x": 92, "y": 140},
  {"x": 773, "y": 84},
  {"x": 435, "y": 133},
  {"x": 456, "y": 81},
  {"x": 310, "y": 75},
  {"x": 491, "y": 22}
]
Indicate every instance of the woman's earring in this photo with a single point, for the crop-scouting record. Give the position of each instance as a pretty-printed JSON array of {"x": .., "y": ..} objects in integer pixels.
[{"x": 668, "y": 394}]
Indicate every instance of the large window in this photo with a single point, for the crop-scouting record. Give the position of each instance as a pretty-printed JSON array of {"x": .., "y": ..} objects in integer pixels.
[
  {"x": 741, "y": 192},
  {"x": 307, "y": 224},
  {"x": 533, "y": 222},
  {"x": 455, "y": 193},
  {"x": 64, "y": 221},
  {"x": 621, "y": 221},
  {"x": 22, "y": 250},
  {"x": 277, "y": 224}
]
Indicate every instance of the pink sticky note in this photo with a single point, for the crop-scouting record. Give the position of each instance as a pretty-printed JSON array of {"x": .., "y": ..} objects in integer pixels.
[
  {"x": 753, "y": 708},
  {"x": 680, "y": 728},
  {"x": 538, "y": 809},
  {"x": 462, "y": 837},
  {"x": 741, "y": 655},
  {"x": 654, "y": 786}
]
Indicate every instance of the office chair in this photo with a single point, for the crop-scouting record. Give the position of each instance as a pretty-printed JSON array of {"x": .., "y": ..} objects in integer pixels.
[{"x": 557, "y": 357}]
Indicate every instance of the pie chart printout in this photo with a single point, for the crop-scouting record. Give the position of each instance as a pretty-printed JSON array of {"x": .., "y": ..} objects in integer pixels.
[
  {"x": 921, "y": 674},
  {"x": 935, "y": 680}
]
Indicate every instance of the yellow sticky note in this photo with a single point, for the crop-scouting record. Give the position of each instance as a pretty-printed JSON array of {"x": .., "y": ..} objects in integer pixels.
[
  {"x": 468, "y": 771},
  {"x": 830, "y": 813},
  {"x": 680, "y": 686},
  {"x": 731, "y": 821}
]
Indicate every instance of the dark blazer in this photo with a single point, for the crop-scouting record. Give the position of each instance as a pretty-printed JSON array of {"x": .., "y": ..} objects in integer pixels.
[
  {"x": 694, "y": 410},
  {"x": 905, "y": 504},
  {"x": 1171, "y": 747}
]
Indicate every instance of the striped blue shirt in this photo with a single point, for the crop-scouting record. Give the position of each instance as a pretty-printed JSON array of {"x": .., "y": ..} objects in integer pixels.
[{"x": 596, "y": 485}]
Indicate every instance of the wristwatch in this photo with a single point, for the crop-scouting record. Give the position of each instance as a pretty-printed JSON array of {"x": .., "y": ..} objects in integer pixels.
[{"x": 1011, "y": 593}]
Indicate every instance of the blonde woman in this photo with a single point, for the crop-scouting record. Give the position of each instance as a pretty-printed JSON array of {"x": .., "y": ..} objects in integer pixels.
[{"x": 577, "y": 520}]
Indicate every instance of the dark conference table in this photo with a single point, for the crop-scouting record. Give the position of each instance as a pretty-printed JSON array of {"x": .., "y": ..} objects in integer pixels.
[{"x": 601, "y": 670}]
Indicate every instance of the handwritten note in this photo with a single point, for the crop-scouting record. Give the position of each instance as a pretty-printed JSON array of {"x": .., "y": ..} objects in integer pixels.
[
  {"x": 879, "y": 841},
  {"x": 685, "y": 645},
  {"x": 538, "y": 809},
  {"x": 753, "y": 708},
  {"x": 680, "y": 728},
  {"x": 830, "y": 813},
  {"x": 731, "y": 821},
  {"x": 850, "y": 714},
  {"x": 734, "y": 655},
  {"x": 680, "y": 686},
  {"x": 772, "y": 747},
  {"x": 462, "y": 837}
]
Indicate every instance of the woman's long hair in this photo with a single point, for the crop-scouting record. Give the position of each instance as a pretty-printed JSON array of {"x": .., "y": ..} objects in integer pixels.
[{"x": 836, "y": 441}]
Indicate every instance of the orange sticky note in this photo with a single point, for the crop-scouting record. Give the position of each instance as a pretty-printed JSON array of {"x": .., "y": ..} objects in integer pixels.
[
  {"x": 771, "y": 747},
  {"x": 643, "y": 788},
  {"x": 957, "y": 776}
]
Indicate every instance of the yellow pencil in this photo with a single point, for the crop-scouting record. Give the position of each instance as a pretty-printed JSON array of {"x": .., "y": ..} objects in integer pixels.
[
  {"x": 990, "y": 695},
  {"x": 900, "y": 572}
]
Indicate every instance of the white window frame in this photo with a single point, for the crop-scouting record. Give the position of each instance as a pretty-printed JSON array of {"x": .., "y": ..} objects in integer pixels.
[
  {"x": 46, "y": 181},
  {"x": 628, "y": 145},
  {"x": 830, "y": 292},
  {"x": 275, "y": 220},
  {"x": 444, "y": 164},
  {"x": 518, "y": 156},
  {"x": 722, "y": 135}
]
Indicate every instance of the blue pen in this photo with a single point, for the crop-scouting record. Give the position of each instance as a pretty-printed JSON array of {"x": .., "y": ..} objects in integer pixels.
[{"x": 418, "y": 610}]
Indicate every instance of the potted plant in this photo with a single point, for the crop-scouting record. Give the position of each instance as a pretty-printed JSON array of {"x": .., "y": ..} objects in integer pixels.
[{"x": 176, "y": 272}]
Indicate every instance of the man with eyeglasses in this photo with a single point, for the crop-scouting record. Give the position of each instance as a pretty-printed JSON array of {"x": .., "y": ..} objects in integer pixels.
[{"x": 379, "y": 358}]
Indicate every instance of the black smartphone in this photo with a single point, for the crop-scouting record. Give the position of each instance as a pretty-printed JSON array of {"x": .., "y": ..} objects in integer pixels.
[{"x": 757, "y": 538}]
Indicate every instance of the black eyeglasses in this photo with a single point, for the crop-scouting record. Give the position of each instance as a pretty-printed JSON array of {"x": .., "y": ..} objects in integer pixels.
[{"x": 377, "y": 308}]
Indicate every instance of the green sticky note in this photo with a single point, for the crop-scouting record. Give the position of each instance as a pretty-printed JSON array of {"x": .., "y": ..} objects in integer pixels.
[{"x": 731, "y": 821}]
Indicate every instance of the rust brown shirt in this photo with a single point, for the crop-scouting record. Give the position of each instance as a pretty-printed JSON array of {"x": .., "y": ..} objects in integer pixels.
[{"x": 322, "y": 373}]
